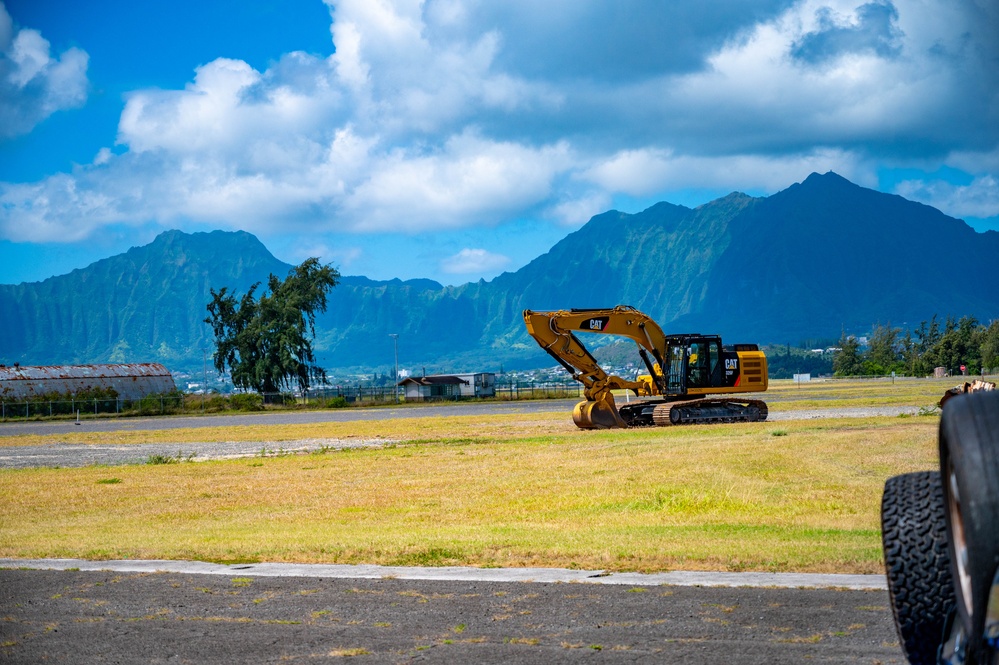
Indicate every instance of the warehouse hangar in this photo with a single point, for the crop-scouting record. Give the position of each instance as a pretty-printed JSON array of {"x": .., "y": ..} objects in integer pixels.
[{"x": 129, "y": 380}]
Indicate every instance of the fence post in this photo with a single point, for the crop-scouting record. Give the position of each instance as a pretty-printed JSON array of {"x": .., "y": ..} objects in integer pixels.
[{"x": 95, "y": 406}]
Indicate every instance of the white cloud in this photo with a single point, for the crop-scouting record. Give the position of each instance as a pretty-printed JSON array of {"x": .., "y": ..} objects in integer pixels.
[
  {"x": 470, "y": 181},
  {"x": 756, "y": 95},
  {"x": 33, "y": 84},
  {"x": 645, "y": 172},
  {"x": 577, "y": 210},
  {"x": 441, "y": 114},
  {"x": 341, "y": 257},
  {"x": 980, "y": 198},
  {"x": 474, "y": 261}
]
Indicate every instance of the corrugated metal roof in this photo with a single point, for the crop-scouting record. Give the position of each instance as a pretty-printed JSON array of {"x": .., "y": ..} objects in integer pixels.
[
  {"x": 62, "y": 372},
  {"x": 128, "y": 380}
]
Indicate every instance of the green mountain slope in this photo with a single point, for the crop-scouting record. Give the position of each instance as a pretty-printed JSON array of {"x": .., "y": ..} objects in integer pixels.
[
  {"x": 145, "y": 305},
  {"x": 821, "y": 256}
]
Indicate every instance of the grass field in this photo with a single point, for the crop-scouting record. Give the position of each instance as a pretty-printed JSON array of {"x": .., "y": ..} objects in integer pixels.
[{"x": 798, "y": 495}]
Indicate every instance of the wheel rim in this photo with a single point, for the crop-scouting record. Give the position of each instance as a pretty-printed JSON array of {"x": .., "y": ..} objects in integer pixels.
[{"x": 958, "y": 538}]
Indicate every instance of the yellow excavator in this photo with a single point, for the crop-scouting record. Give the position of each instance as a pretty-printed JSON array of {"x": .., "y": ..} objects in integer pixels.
[{"x": 683, "y": 371}]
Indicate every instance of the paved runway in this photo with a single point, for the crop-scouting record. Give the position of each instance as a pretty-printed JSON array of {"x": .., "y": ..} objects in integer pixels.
[{"x": 132, "y": 615}]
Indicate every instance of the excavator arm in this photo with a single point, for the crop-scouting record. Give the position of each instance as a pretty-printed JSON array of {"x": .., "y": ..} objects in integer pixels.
[{"x": 555, "y": 333}]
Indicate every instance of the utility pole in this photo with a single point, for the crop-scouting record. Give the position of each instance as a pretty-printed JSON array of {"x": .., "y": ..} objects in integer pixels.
[
  {"x": 395, "y": 381},
  {"x": 204, "y": 386}
]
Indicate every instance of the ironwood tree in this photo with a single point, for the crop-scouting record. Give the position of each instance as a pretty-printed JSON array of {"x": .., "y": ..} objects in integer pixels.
[{"x": 266, "y": 342}]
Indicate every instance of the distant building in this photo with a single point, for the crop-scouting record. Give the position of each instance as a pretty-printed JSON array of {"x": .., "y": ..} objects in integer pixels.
[
  {"x": 450, "y": 386},
  {"x": 130, "y": 381}
]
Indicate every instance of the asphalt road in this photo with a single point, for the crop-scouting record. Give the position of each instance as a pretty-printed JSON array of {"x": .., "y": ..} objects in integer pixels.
[{"x": 109, "y": 617}]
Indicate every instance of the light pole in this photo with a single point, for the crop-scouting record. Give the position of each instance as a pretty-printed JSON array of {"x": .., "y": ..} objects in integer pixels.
[
  {"x": 395, "y": 381},
  {"x": 204, "y": 386}
]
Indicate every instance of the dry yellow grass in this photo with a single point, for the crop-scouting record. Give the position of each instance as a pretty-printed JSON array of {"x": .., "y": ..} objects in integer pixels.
[
  {"x": 493, "y": 491},
  {"x": 787, "y": 395}
]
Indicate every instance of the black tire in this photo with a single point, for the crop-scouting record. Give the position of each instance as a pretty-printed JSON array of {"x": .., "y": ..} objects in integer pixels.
[
  {"x": 914, "y": 537},
  {"x": 969, "y": 466}
]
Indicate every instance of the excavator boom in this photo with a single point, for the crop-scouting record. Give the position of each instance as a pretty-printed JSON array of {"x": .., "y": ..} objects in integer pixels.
[{"x": 554, "y": 331}]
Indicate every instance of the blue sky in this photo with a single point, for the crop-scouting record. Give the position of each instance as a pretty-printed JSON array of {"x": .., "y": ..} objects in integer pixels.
[{"x": 456, "y": 139}]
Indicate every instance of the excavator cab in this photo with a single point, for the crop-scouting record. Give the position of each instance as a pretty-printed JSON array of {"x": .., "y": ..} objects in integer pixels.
[{"x": 695, "y": 362}]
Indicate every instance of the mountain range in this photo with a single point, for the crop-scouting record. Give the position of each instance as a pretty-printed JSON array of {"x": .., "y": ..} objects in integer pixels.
[{"x": 822, "y": 257}]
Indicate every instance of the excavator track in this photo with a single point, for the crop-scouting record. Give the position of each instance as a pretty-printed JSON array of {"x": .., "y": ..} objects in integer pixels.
[{"x": 699, "y": 411}]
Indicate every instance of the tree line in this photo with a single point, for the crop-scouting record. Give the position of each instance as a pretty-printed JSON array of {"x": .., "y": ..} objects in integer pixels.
[{"x": 917, "y": 352}]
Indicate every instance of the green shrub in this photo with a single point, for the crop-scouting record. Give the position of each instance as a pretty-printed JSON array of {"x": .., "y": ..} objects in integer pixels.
[
  {"x": 335, "y": 403},
  {"x": 216, "y": 402},
  {"x": 246, "y": 402}
]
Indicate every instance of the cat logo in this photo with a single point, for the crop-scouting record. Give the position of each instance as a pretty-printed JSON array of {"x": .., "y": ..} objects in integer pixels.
[
  {"x": 732, "y": 363},
  {"x": 595, "y": 325}
]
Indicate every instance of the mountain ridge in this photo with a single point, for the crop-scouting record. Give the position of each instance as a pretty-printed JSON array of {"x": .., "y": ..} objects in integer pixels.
[{"x": 819, "y": 257}]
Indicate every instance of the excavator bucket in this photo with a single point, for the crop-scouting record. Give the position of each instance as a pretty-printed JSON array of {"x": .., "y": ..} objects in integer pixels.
[{"x": 597, "y": 415}]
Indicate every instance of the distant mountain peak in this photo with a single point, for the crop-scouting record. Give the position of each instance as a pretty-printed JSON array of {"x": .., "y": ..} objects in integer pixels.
[
  {"x": 818, "y": 257},
  {"x": 827, "y": 182}
]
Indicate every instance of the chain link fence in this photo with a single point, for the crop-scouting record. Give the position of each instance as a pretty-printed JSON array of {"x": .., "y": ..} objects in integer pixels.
[{"x": 50, "y": 408}]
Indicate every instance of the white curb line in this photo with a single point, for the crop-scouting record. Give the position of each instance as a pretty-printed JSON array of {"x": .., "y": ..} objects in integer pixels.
[{"x": 464, "y": 574}]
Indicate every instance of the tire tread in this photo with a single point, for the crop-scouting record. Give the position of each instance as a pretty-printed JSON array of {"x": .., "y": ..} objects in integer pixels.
[{"x": 917, "y": 563}]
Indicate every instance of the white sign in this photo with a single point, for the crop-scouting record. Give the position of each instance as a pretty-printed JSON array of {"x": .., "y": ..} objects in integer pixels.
[{"x": 802, "y": 377}]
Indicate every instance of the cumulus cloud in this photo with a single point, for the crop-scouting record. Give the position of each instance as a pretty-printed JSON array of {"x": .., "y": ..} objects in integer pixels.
[
  {"x": 33, "y": 84},
  {"x": 574, "y": 210},
  {"x": 442, "y": 114},
  {"x": 980, "y": 198},
  {"x": 873, "y": 29},
  {"x": 474, "y": 261},
  {"x": 645, "y": 172},
  {"x": 470, "y": 181}
]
